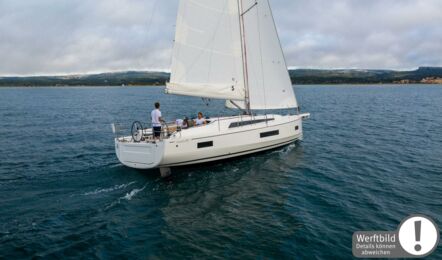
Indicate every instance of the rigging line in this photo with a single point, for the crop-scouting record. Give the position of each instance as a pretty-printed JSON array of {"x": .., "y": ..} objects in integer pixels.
[
  {"x": 250, "y": 8},
  {"x": 244, "y": 57},
  {"x": 236, "y": 105},
  {"x": 149, "y": 26}
]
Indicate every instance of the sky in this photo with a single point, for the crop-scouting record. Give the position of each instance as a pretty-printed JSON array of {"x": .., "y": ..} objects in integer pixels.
[{"x": 54, "y": 37}]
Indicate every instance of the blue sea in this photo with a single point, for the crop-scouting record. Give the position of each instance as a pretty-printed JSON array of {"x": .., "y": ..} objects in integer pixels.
[{"x": 371, "y": 156}]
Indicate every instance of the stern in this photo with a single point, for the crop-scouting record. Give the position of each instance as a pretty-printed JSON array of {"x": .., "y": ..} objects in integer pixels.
[{"x": 139, "y": 155}]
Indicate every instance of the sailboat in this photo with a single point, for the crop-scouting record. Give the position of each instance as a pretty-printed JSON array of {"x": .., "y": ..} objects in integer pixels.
[{"x": 228, "y": 50}]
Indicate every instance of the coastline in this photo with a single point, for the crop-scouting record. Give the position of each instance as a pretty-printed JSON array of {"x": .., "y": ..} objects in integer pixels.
[
  {"x": 295, "y": 84},
  {"x": 422, "y": 75}
]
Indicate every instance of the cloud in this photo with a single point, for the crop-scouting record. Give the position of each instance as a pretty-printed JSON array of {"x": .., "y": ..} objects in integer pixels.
[
  {"x": 395, "y": 34},
  {"x": 83, "y": 36}
]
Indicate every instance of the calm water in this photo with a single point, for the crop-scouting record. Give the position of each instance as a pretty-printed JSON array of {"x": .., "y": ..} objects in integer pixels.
[{"x": 372, "y": 155}]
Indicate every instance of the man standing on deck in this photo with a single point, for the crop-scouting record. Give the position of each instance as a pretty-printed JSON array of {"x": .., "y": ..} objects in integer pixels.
[{"x": 156, "y": 121}]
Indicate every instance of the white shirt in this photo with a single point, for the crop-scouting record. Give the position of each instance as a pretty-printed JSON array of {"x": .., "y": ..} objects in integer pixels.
[
  {"x": 156, "y": 114},
  {"x": 200, "y": 121}
]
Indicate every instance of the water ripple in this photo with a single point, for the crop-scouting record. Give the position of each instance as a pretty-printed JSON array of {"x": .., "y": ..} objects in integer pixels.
[
  {"x": 371, "y": 156},
  {"x": 107, "y": 190}
]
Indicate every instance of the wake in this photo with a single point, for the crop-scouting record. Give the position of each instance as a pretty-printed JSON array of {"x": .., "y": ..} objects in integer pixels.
[
  {"x": 107, "y": 190},
  {"x": 129, "y": 196}
]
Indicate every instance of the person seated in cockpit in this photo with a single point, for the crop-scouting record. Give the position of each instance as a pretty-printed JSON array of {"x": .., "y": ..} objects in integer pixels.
[
  {"x": 200, "y": 120},
  {"x": 182, "y": 123},
  {"x": 186, "y": 123}
]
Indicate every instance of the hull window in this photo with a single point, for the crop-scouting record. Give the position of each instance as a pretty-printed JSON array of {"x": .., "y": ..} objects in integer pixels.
[
  {"x": 205, "y": 144},
  {"x": 297, "y": 127},
  {"x": 249, "y": 122},
  {"x": 268, "y": 134}
]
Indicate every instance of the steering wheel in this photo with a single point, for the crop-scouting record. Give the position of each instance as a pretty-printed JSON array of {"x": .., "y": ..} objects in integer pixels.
[{"x": 137, "y": 131}]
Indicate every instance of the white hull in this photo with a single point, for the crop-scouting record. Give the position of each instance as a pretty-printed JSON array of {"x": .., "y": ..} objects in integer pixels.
[{"x": 221, "y": 139}]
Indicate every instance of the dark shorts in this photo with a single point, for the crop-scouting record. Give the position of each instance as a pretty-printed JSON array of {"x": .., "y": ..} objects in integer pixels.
[{"x": 157, "y": 131}]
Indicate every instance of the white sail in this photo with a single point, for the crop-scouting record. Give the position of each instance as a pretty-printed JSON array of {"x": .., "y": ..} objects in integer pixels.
[
  {"x": 227, "y": 49},
  {"x": 269, "y": 83},
  {"x": 207, "y": 57}
]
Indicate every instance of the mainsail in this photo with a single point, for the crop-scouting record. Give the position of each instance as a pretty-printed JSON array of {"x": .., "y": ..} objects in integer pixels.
[
  {"x": 229, "y": 49},
  {"x": 207, "y": 51}
]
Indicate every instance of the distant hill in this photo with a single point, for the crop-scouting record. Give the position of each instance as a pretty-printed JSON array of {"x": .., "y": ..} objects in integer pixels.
[
  {"x": 305, "y": 76},
  {"x": 103, "y": 79},
  {"x": 298, "y": 76}
]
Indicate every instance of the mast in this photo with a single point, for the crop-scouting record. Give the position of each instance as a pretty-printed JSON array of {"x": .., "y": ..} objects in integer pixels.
[
  {"x": 244, "y": 56},
  {"x": 207, "y": 39}
]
